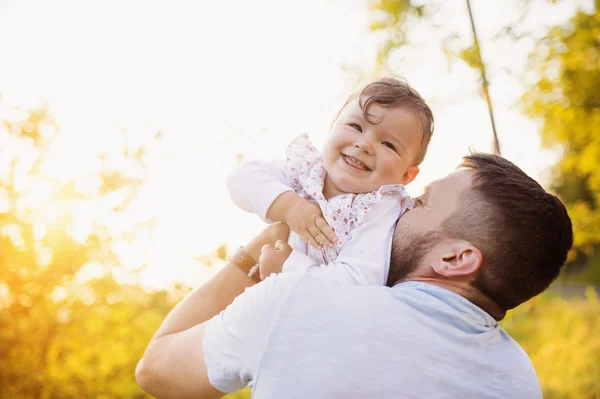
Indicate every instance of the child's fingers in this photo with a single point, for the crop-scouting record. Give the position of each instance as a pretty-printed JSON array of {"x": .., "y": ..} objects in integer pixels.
[
  {"x": 319, "y": 236},
  {"x": 326, "y": 229},
  {"x": 310, "y": 239}
]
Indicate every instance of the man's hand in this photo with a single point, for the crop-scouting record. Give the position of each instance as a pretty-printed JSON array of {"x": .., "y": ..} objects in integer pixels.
[
  {"x": 268, "y": 236},
  {"x": 305, "y": 219},
  {"x": 271, "y": 259}
]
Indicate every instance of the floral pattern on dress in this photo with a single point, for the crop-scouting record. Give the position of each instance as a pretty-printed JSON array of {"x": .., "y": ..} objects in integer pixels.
[{"x": 344, "y": 212}]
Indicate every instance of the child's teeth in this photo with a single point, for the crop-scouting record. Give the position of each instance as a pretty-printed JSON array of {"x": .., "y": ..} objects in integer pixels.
[{"x": 356, "y": 161}]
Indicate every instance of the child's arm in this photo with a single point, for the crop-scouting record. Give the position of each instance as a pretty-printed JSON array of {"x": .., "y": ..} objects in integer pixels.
[
  {"x": 364, "y": 258},
  {"x": 265, "y": 188},
  {"x": 255, "y": 185}
]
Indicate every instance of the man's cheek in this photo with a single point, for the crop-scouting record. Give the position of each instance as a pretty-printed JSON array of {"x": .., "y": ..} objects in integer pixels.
[{"x": 408, "y": 220}]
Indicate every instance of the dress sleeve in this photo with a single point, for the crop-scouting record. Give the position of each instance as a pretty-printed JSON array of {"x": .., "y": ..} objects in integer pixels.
[
  {"x": 301, "y": 158},
  {"x": 235, "y": 340},
  {"x": 254, "y": 186},
  {"x": 363, "y": 259}
]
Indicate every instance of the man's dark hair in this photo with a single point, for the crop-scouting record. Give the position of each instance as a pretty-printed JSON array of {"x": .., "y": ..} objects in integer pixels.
[
  {"x": 523, "y": 232},
  {"x": 388, "y": 92}
]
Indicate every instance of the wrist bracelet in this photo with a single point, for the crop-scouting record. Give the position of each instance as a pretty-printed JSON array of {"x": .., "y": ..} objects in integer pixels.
[
  {"x": 253, "y": 270},
  {"x": 245, "y": 263}
]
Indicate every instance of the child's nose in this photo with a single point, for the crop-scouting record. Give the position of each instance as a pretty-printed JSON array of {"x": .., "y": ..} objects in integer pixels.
[{"x": 365, "y": 145}]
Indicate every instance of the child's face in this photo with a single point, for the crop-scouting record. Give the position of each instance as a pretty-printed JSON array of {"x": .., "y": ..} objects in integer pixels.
[{"x": 360, "y": 156}]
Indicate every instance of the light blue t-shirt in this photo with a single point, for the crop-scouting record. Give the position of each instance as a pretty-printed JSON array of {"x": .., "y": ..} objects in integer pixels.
[{"x": 297, "y": 336}]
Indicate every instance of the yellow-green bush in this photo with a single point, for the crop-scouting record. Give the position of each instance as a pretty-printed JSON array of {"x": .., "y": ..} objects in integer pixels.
[
  {"x": 562, "y": 338},
  {"x": 243, "y": 394}
]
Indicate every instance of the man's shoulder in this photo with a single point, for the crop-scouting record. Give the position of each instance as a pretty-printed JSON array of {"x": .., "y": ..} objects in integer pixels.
[
  {"x": 310, "y": 285},
  {"x": 283, "y": 281},
  {"x": 279, "y": 291},
  {"x": 280, "y": 285},
  {"x": 517, "y": 352},
  {"x": 286, "y": 282},
  {"x": 302, "y": 291}
]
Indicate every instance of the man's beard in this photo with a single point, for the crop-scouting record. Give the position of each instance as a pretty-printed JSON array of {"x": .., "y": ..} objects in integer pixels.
[{"x": 408, "y": 251}]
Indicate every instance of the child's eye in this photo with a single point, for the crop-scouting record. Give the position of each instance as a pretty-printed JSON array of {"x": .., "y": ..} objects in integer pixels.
[
  {"x": 355, "y": 126},
  {"x": 389, "y": 145}
]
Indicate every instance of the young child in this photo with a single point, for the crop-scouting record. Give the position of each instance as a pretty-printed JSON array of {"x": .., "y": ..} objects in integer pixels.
[{"x": 342, "y": 205}]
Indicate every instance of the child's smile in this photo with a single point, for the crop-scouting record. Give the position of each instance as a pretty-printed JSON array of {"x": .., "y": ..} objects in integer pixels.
[{"x": 355, "y": 163}]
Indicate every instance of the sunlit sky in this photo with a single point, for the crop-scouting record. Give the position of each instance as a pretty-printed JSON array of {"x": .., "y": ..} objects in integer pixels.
[{"x": 222, "y": 78}]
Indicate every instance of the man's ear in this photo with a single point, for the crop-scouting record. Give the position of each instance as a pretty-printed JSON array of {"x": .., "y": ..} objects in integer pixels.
[
  {"x": 410, "y": 174},
  {"x": 456, "y": 258}
]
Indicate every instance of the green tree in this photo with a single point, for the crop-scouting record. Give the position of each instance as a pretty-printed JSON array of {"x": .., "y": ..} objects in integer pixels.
[{"x": 566, "y": 101}]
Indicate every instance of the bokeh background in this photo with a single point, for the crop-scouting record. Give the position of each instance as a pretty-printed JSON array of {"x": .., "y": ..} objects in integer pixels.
[{"x": 119, "y": 121}]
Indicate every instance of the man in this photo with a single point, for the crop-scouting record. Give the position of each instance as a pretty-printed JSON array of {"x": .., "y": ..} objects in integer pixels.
[{"x": 479, "y": 242}]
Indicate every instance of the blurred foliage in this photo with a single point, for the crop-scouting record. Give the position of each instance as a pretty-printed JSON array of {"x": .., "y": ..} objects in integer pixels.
[
  {"x": 561, "y": 338},
  {"x": 70, "y": 325},
  {"x": 394, "y": 18},
  {"x": 73, "y": 321},
  {"x": 243, "y": 394},
  {"x": 566, "y": 100}
]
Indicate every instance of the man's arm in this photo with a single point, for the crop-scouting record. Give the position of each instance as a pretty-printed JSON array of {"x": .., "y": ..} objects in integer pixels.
[{"x": 173, "y": 365}]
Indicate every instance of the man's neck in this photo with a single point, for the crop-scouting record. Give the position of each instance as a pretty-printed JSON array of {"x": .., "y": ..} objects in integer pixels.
[{"x": 466, "y": 291}]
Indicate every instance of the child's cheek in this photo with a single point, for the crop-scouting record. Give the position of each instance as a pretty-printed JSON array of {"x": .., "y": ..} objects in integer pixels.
[{"x": 391, "y": 171}]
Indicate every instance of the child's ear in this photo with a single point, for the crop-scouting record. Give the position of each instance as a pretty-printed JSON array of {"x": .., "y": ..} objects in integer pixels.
[{"x": 410, "y": 174}]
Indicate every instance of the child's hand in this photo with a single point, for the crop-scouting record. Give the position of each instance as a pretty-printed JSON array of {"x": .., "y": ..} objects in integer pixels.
[
  {"x": 271, "y": 258},
  {"x": 305, "y": 218}
]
